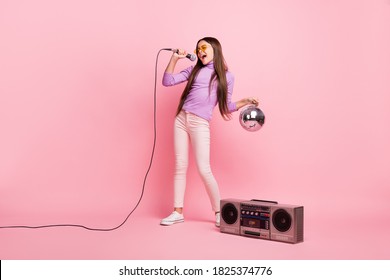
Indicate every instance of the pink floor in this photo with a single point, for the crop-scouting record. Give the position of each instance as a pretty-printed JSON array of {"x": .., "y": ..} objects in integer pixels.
[{"x": 326, "y": 237}]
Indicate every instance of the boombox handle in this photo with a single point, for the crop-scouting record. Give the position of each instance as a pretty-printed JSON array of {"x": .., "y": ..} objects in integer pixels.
[{"x": 267, "y": 201}]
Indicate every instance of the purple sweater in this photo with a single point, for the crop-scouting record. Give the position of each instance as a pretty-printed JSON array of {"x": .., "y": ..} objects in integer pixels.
[{"x": 200, "y": 101}]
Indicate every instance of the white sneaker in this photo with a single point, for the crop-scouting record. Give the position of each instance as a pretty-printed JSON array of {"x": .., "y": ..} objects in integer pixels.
[
  {"x": 217, "y": 219},
  {"x": 174, "y": 218}
]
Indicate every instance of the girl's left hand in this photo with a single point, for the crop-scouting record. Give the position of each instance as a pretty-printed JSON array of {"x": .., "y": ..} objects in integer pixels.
[{"x": 253, "y": 100}]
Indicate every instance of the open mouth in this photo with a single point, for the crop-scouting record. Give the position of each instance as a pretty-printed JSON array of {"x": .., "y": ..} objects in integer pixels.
[{"x": 203, "y": 56}]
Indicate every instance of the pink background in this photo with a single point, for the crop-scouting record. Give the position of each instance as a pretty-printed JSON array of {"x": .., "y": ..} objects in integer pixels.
[{"x": 76, "y": 122}]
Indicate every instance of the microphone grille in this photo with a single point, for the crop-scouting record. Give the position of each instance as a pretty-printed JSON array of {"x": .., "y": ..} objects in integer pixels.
[{"x": 192, "y": 57}]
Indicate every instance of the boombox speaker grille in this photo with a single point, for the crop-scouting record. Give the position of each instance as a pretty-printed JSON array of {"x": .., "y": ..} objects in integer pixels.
[
  {"x": 281, "y": 220},
  {"x": 229, "y": 213},
  {"x": 287, "y": 223}
]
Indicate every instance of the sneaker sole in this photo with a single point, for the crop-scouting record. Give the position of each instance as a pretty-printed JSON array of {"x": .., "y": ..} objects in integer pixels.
[{"x": 171, "y": 223}]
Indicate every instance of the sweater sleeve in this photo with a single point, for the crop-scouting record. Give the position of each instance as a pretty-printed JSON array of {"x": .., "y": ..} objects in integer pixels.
[
  {"x": 230, "y": 85},
  {"x": 171, "y": 79}
]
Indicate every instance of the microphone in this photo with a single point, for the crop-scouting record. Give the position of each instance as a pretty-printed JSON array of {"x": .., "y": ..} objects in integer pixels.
[{"x": 190, "y": 56}]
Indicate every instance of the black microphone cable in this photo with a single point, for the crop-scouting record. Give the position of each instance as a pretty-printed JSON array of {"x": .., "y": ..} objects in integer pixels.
[{"x": 143, "y": 185}]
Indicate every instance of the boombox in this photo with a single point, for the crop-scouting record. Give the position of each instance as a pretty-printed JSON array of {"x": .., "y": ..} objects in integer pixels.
[{"x": 262, "y": 219}]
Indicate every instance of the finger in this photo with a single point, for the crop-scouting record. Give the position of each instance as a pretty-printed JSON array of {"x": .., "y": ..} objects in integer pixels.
[
  {"x": 178, "y": 53},
  {"x": 181, "y": 53}
]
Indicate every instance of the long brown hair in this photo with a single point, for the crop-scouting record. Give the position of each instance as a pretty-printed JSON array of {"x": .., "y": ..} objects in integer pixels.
[{"x": 219, "y": 74}]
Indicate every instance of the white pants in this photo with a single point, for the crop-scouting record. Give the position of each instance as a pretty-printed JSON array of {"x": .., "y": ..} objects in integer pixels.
[{"x": 190, "y": 128}]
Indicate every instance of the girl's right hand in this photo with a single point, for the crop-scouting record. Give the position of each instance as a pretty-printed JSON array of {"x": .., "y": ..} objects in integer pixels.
[
  {"x": 180, "y": 53},
  {"x": 176, "y": 55}
]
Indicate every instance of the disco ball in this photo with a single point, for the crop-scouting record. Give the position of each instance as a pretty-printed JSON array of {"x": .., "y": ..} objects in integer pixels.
[{"x": 252, "y": 118}]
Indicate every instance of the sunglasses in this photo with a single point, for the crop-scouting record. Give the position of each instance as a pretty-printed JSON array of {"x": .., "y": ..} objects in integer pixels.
[{"x": 201, "y": 48}]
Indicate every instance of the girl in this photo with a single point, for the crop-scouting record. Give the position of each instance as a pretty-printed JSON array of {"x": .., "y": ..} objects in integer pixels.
[{"x": 208, "y": 83}]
